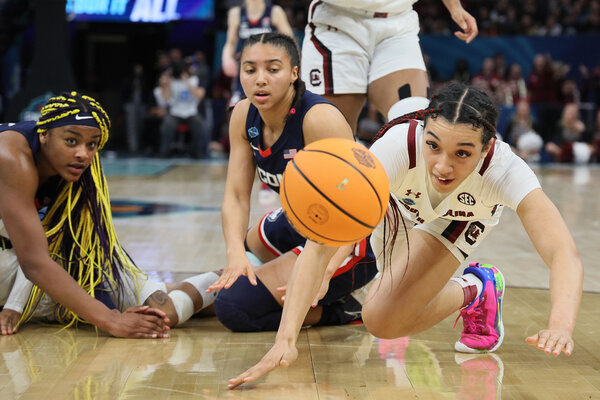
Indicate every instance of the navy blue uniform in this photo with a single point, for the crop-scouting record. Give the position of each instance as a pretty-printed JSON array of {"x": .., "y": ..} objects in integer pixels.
[
  {"x": 27, "y": 129},
  {"x": 244, "y": 307},
  {"x": 271, "y": 162},
  {"x": 47, "y": 192},
  {"x": 246, "y": 29}
]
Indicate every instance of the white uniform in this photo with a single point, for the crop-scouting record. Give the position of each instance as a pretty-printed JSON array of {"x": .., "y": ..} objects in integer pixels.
[
  {"x": 462, "y": 218},
  {"x": 15, "y": 288},
  {"x": 349, "y": 44}
]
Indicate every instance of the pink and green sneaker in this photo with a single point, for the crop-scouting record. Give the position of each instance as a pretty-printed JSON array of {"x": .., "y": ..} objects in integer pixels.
[{"x": 483, "y": 330}]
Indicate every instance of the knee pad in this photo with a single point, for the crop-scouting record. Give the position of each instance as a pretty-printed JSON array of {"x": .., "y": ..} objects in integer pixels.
[
  {"x": 407, "y": 105},
  {"x": 247, "y": 308},
  {"x": 184, "y": 306},
  {"x": 253, "y": 259}
]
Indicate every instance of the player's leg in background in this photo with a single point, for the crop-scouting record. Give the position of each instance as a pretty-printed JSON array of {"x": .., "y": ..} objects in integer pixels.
[{"x": 400, "y": 92}]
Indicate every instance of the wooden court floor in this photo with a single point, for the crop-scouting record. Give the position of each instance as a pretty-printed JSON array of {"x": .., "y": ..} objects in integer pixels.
[{"x": 167, "y": 214}]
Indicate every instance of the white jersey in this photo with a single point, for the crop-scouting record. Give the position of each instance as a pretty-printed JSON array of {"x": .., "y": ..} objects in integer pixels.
[
  {"x": 501, "y": 178},
  {"x": 374, "y": 6}
]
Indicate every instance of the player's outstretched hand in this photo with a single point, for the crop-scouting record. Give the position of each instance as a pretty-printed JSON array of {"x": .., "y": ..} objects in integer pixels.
[
  {"x": 139, "y": 322},
  {"x": 552, "y": 341},
  {"x": 9, "y": 320},
  {"x": 467, "y": 23},
  {"x": 283, "y": 353},
  {"x": 233, "y": 270}
]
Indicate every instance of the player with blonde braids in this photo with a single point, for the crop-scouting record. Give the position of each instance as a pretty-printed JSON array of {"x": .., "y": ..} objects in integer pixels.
[{"x": 71, "y": 267}]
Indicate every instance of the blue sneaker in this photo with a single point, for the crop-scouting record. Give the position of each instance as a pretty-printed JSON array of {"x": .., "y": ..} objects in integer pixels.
[{"x": 483, "y": 330}]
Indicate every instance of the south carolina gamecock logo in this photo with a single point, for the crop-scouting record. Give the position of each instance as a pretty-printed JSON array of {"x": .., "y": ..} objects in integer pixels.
[
  {"x": 473, "y": 232},
  {"x": 363, "y": 157},
  {"x": 315, "y": 77}
]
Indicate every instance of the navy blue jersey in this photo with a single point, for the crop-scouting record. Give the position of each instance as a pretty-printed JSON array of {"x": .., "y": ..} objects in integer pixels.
[
  {"x": 271, "y": 162},
  {"x": 248, "y": 28},
  {"x": 48, "y": 190},
  {"x": 27, "y": 129}
]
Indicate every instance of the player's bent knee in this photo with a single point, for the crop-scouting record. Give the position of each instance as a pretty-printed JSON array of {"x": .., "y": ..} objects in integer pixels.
[
  {"x": 247, "y": 308},
  {"x": 384, "y": 324}
]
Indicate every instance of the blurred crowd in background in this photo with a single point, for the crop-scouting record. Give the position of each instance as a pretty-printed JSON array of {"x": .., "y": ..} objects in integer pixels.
[{"x": 550, "y": 114}]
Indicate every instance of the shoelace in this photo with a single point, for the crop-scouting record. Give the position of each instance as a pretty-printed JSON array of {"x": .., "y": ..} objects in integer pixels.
[{"x": 473, "y": 320}]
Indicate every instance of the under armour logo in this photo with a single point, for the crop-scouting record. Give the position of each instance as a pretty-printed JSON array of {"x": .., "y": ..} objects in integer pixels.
[{"x": 409, "y": 192}]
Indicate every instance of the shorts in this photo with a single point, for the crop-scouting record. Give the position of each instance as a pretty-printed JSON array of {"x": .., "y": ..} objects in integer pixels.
[
  {"x": 278, "y": 236},
  {"x": 460, "y": 237},
  {"x": 344, "y": 52},
  {"x": 11, "y": 273}
]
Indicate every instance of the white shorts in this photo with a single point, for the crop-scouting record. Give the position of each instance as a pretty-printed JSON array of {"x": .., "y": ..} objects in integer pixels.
[
  {"x": 343, "y": 52},
  {"x": 10, "y": 272},
  {"x": 460, "y": 237}
]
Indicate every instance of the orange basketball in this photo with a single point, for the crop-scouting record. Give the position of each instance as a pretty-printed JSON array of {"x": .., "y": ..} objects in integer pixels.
[{"x": 334, "y": 191}]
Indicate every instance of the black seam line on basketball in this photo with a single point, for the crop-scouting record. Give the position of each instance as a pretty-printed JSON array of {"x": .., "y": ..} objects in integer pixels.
[
  {"x": 284, "y": 191},
  {"x": 358, "y": 170},
  {"x": 329, "y": 200}
]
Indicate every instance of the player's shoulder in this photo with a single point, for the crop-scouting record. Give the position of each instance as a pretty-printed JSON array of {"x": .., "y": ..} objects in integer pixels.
[
  {"x": 399, "y": 132},
  {"x": 241, "y": 108},
  {"x": 504, "y": 162},
  {"x": 14, "y": 150}
]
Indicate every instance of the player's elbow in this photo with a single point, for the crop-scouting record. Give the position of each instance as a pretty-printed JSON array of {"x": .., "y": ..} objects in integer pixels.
[{"x": 30, "y": 265}]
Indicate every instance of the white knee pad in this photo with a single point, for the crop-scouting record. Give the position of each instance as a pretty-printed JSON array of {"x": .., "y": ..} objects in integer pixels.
[
  {"x": 201, "y": 283},
  {"x": 184, "y": 306},
  {"x": 406, "y": 106}
]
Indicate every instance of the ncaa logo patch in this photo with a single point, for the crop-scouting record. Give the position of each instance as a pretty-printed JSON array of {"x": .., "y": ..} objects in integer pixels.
[
  {"x": 315, "y": 77},
  {"x": 253, "y": 132},
  {"x": 363, "y": 157},
  {"x": 408, "y": 201},
  {"x": 466, "y": 199}
]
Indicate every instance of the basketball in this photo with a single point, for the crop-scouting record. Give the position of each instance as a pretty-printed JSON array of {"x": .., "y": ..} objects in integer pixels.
[{"x": 334, "y": 191}]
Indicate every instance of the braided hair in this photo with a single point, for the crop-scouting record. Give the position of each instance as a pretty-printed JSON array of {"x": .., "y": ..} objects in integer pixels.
[
  {"x": 291, "y": 48},
  {"x": 458, "y": 104},
  {"x": 78, "y": 225}
]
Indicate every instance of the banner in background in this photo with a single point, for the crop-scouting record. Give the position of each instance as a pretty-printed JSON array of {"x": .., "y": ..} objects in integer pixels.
[{"x": 139, "y": 10}]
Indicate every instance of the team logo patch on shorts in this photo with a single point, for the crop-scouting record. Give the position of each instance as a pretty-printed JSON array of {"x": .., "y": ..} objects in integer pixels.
[
  {"x": 466, "y": 199},
  {"x": 273, "y": 215},
  {"x": 473, "y": 232},
  {"x": 253, "y": 132},
  {"x": 315, "y": 77},
  {"x": 363, "y": 158}
]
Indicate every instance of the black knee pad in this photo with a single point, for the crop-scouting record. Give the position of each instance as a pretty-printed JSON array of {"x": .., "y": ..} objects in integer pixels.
[{"x": 247, "y": 308}]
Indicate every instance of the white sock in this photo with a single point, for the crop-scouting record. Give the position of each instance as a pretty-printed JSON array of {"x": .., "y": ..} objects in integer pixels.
[
  {"x": 468, "y": 282},
  {"x": 201, "y": 283},
  {"x": 406, "y": 106},
  {"x": 472, "y": 279}
]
